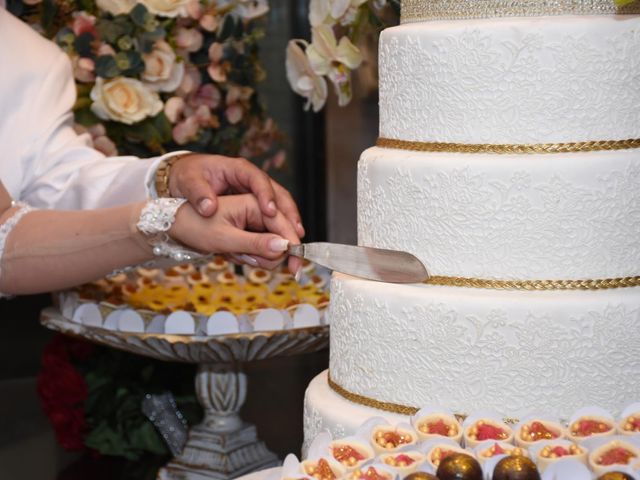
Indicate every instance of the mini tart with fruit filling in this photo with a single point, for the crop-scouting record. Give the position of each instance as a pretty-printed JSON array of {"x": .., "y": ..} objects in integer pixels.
[
  {"x": 438, "y": 424},
  {"x": 403, "y": 462},
  {"x": 487, "y": 429},
  {"x": 554, "y": 451},
  {"x": 498, "y": 448},
  {"x": 386, "y": 438},
  {"x": 350, "y": 454},
  {"x": 440, "y": 451},
  {"x": 323, "y": 469},
  {"x": 630, "y": 424},
  {"x": 536, "y": 430},
  {"x": 590, "y": 426},
  {"x": 369, "y": 473},
  {"x": 615, "y": 452}
]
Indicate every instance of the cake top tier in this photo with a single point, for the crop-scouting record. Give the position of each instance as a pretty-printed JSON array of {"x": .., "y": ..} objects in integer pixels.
[{"x": 425, "y": 10}]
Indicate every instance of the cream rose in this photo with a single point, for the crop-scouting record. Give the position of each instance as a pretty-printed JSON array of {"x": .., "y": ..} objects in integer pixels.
[
  {"x": 124, "y": 100},
  {"x": 167, "y": 8},
  {"x": 161, "y": 71},
  {"x": 116, "y": 7}
]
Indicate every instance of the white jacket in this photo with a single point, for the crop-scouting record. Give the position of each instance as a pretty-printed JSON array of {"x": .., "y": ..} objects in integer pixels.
[{"x": 43, "y": 162}]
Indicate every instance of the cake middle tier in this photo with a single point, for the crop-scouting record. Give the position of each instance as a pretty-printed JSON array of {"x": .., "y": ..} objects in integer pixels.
[
  {"x": 519, "y": 217},
  {"x": 511, "y": 80},
  {"x": 470, "y": 349}
]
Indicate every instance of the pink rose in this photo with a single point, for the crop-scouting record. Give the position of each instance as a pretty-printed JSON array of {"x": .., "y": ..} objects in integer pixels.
[
  {"x": 203, "y": 115},
  {"x": 173, "y": 108},
  {"x": 207, "y": 95},
  {"x": 209, "y": 23},
  {"x": 234, "y": 113},
  {"x": 194, "y": 9},
  {"x": 189, "y": 39},
  {"x": 190, "y": 81},
  {"x": 83, "y": 23},
  {"x": 105, "y": 145},
  {"x": 186, "y": 130}
]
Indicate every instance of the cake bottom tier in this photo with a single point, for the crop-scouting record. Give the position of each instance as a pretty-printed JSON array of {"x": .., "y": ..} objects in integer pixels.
[
  {"x": 326, "y": 410},
  {"x": 464, "y": 349}
]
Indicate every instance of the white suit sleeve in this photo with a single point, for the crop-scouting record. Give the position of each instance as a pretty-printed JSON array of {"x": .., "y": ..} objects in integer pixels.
[{"x": 65, "y": 172}]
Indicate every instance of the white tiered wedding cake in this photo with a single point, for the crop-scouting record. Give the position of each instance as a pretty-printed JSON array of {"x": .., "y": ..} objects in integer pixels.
[{"x": 509, "y": 163}]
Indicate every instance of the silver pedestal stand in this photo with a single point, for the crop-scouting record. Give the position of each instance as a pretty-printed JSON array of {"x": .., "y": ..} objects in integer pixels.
[{"x": 222, "y": 446}]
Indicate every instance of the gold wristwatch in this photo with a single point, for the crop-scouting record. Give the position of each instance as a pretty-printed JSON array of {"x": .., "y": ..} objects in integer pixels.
[{"x": 162, "y": 176}]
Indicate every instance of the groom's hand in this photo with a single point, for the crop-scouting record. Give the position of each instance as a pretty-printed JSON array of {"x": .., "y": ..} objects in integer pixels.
[{"x": 201, "y": 178}]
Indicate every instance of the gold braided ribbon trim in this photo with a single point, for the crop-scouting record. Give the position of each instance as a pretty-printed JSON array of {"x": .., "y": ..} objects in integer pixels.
[
  {"x": 539, "y": 148},
  {"x": 389, "y": 406},
  {"x": 371, "y": 402},
  {"x": 425, "y": 10},
  {"x": 597, "y": 284}
]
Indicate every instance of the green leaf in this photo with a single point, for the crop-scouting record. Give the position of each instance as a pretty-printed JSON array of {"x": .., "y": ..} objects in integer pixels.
[
  {"x": 106, "y": 66},
  {"x": 228, "y": 27},
  {"x": 622, "y": 3},
  {"x": 139, "y": 15},
  {"x": 111, "y": 30},
  {"x": 84, "y": 116},
  {"x": 82, "y": 44}
]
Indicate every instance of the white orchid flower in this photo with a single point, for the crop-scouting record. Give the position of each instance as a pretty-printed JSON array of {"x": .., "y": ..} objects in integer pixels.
[
  {"x": 331, "y": 11},
  {"x": 334, "y": 59},
  {"x": 303, "y": 80}
]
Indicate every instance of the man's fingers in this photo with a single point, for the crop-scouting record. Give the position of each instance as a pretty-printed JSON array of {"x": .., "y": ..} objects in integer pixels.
[
  {"x": 196, "y": 188},
  {"x": 288, "y": 207},
  {"x": 246, "y": 177}
]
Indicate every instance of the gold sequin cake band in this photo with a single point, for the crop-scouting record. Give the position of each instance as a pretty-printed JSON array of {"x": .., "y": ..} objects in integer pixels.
[
  {"x": 426, "y": 10},
  {"x": 390, "y": 406},
  {"x": 597, "y": 284},
  {"x": 497, "y": 148}
]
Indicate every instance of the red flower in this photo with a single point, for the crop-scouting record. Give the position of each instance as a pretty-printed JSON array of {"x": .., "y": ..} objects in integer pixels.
[{"x": 63, "y": 390}]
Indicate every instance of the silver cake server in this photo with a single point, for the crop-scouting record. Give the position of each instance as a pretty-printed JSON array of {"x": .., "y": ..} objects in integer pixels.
[{"x": 371, "y": 263}]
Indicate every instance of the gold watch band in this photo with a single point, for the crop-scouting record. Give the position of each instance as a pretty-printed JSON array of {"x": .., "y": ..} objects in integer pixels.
[{"x": 162, "y": 176}]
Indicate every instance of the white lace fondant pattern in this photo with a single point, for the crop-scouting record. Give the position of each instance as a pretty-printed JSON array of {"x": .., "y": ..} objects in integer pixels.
[
  {"x": 7, "y": 227},
  {"x": 314, "y": 423},
  {"x": 512, "y": 352},
  {"x": 471, "y": 216},
  {"x": 560, "y": 79}
]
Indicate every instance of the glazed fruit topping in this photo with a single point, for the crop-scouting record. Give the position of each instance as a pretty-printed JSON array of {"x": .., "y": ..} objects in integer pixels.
[
  {"x": 632, "y": 424},
  {"x": 438, "y": 454},
  {"x": 401, "y": 460},
  {"x": 370, "y": 474},
  {"x": 438, "y": 427},
  {"x": 347, "y": 455},
  {"x": 486, "y": 431},
  {"x": 616, "y": 456},
  {"x": 321, "y": 471},
  {"x": 391, "y": 439},
  {"x": 537, "y": 431},
  {"x": 493, "y": 450},
  {"x": 587, "y": 427},
  {"x": 559, "y": 451}
]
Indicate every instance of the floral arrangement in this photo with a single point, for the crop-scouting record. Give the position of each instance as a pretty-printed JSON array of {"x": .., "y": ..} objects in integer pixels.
[
  {"x": 310, "y": 65},
  {"x": 92, "y": 396},
  {"x": 158, "y": 75}
]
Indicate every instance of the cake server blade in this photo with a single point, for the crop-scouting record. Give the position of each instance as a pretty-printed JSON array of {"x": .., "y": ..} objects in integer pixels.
[{"x": 371, "y": 263}]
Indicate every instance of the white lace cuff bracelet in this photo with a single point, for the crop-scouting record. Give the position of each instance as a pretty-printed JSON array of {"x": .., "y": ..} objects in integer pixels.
[{"x": 156, "y": 219}]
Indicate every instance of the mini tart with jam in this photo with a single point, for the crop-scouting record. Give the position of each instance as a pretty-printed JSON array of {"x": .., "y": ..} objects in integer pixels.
[
  {"x": 555, "y": 450},
  {"x": 351, "y": 454},
  {"x": 217, "y": 264},
  {"x": 613, "y": 453},
  {"x": 440, "y": 451},
  {"x": 323, "y": 468},
  {"x": 372, "y": 472},
  {"x": 490, "y": 448},
  {"x": 588, "y": 426},
  {"x": 486, "y": 429},
  {"x": 438, "y": 425},
  {"x": 536, "y": 430},
  {"x": 630, "y": 424},
  {"x": 388, "y": 438},
  {"x": 404, "y": 462},
  {"x": 259, "y": 276}
]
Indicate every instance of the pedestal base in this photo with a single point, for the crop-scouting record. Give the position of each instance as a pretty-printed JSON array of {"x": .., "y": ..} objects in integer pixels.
[{"x": 222, "y": 456}]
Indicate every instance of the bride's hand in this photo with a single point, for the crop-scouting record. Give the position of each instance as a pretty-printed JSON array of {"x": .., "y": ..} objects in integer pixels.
[{"x": 238, "y": 227}]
